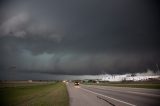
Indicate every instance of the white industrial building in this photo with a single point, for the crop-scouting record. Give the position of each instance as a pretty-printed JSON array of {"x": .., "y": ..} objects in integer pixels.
[{"x": 128, "y": 77}]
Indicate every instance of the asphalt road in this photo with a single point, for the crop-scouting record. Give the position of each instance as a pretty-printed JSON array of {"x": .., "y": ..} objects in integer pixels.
[{"x": 91, "y": 95}]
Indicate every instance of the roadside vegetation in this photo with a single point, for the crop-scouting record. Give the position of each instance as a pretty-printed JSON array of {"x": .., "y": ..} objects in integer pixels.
[
  {"x": 141, "y": 84},
  {"x": 51, "y": 94}
]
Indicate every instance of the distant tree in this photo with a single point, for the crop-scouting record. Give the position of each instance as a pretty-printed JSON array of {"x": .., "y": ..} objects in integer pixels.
[{"x": 133, "y": 74}]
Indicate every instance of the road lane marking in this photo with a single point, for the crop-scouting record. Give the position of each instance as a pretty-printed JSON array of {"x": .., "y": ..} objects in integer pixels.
[
  {"x": 133, "y": 92},
  {"x": 108, "y": 97}
]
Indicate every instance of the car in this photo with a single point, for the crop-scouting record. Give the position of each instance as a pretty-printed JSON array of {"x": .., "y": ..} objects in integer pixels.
[{"x": 76, "y": 83}]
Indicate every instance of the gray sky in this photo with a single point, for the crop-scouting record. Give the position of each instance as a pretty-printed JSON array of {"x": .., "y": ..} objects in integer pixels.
[{"x": 41, "y": 38}]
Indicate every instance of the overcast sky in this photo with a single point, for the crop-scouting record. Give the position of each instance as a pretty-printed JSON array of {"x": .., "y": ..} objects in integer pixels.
[{"x": 41, "y": 38}]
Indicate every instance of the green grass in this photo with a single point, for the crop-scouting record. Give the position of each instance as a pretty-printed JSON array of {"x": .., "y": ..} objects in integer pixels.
[
  {"x": 37, "y": 95},
  {"x": 23, "y": 84},
  {"x": 132, "y": 85}
]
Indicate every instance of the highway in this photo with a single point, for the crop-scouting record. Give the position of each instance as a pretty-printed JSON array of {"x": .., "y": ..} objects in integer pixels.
[{"x": 92, "y": 95}]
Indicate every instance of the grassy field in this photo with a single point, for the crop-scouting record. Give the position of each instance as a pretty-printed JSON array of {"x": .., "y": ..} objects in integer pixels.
[
  {"x": 52, "y": 94},
  {"x": 132, "y": 85}
]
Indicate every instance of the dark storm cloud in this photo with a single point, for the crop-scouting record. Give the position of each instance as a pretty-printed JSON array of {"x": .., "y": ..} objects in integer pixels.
[{"x": 79, "y": 37}]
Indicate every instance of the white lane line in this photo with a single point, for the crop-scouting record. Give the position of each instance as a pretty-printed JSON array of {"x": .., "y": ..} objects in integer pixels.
[
  {"x": 140, "y": 93},
  {"x": 108, "y": 97}
]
